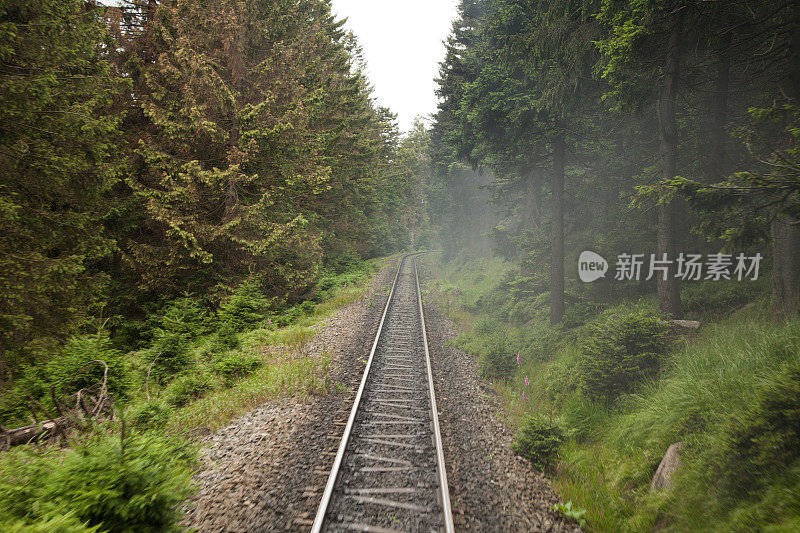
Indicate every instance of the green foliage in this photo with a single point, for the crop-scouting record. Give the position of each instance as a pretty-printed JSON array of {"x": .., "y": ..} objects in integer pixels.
[
  {"x": 762, "y": 440},
  {"x": 186, "y": 316},
  {"x": 74, "y": 368},
  {"x": 61, "y": 523},
  {"x": 58, "y": 160},
  {"x": 131, "y": 484},
  {"x": 497, "y": 360},
  {"x": 246, "y": 308},
  {"x": 236, "y": 366},
  {"x": 187, "y": 388},
  {"x": 538, "y": 441},
  {"x": 573, "y": 513},
  {"x": 720, "y": 298},
  {"x": 147, "y": 415},
  {"x": 621, "y": 354},
  {"x": 169, "y": 354}
]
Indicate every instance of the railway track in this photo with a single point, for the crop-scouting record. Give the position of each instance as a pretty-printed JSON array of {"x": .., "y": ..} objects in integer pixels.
[{"x": 389, "y": 474}]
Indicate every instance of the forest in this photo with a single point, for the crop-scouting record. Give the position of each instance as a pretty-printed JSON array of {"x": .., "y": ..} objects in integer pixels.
[{"x": 185, "y": 183}]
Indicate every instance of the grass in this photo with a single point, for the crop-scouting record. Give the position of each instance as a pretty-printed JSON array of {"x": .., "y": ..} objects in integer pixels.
[
  {"x": 704, "y": 394},
  {"x": 298, "y": 377}
]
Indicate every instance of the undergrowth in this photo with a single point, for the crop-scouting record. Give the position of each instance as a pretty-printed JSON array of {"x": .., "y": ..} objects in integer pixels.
[
  {"x": 195, "y": 368},
  {"x": 622, "y": 389}
]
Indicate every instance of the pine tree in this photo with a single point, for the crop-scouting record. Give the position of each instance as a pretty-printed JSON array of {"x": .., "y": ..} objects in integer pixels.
[{"x": 58, "y": 162}]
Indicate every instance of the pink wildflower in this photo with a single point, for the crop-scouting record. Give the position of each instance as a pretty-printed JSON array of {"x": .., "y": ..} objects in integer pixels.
[
  {"x": 524, "y": 397},
  {"x": 527, "y": 383},
  {"x": 519, "y": 362},
  {"x": 269, "y": 321}
]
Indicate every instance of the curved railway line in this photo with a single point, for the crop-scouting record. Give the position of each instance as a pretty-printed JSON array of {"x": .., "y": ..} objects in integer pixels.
[{"x": 389, "y": 473}]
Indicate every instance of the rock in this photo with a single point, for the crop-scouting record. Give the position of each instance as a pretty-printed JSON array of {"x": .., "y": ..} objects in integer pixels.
[
  {"x": 669, "y": 465},
  {"x": 688, "y": 324}
]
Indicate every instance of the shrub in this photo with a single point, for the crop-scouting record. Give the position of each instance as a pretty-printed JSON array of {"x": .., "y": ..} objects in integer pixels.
[
  {"x": 621, "y": 354},
  {"x": 236, "y": 366},
  {"x": 186, "y": 389},
  {"x": 246, "y": 308},
  {"x": 186, "y": 316},
  {"x": 763, "y": 441},
  {"x": 498, "y": 362},
  {"x": 73, "y": 370},
  {"x": 68, "y": 371},
  {"x": 169, "y": 355},
  {"x": 538, "y": 441},
  {"x": 132, "y": 484},
  {"x": 62, "y": 523},
  {"x": 148, "y": 415}
]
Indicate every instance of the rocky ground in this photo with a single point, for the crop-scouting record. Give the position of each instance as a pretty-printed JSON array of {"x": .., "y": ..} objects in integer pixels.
[{"x": 266, "y": 470}]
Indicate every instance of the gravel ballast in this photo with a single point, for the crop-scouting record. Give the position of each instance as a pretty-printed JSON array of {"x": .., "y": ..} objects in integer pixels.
[{"x": 267, "y": 469}]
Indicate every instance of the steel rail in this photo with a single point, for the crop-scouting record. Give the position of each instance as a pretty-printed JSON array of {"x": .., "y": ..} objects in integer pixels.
[
  {"x": 443, "y": 489},
  {"x": 444, "y": 494}
]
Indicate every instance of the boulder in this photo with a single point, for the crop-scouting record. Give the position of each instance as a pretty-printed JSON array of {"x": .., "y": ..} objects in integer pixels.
[
  {"x": 667, "y": 468},
  {"x": 687, "y": 324}
]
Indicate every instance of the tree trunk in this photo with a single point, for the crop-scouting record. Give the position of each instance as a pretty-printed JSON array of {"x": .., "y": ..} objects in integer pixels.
[
  {"x": 533, "y": 205},
  {"x": 533, "y": 211},
  {"x": 785, "y": 268},
  {"x": 557, "y": 246},
  {"x": 32, "y": 432},
  {"x": 786, "y": 231},
  {"x": 669, "y": 298},
  {"x": 719, "y": 111}
]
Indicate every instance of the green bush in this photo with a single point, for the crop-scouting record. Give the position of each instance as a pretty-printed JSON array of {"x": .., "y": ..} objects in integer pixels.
[
  {"x": 73, "y": 370},
  {"x": 538, "y": 441},
  {"x": 169, "y": 354},
  {"x": 185, "y": 389},
  {"x": 622, "y": 353},
  {"x": 763, "y": 440},
  {"x": 186, "y": 316},
  {"x": 498, "y": 361},
  {"x": 236, "y": 366},
  {"x": 62, "y": 523},
  {"x": 67, "y": 371},
  {"x": 134, "y": 484},
  {"x": 245, "y": 309},
  {"x": 147, "y": 415}
]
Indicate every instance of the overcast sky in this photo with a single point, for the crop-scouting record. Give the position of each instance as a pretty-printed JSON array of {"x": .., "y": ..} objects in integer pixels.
[{"x": 402, "y": 42}]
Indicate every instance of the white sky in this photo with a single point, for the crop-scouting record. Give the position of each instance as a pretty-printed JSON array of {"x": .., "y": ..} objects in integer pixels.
[{"x": 403, "y": 45}]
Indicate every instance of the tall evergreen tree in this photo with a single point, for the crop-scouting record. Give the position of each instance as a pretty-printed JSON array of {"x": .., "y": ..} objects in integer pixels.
[{"x": 57, "y": 162}]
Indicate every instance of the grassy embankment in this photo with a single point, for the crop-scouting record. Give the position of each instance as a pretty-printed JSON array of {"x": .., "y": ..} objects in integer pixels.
[
  {"x": 290, "y": 369},
  {"x": 197, "y": 370},
  {"x": 729, "y": 392}
]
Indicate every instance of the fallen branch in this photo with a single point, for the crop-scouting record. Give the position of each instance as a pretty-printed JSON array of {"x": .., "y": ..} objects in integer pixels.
[{"x": 87, "y": 407}]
